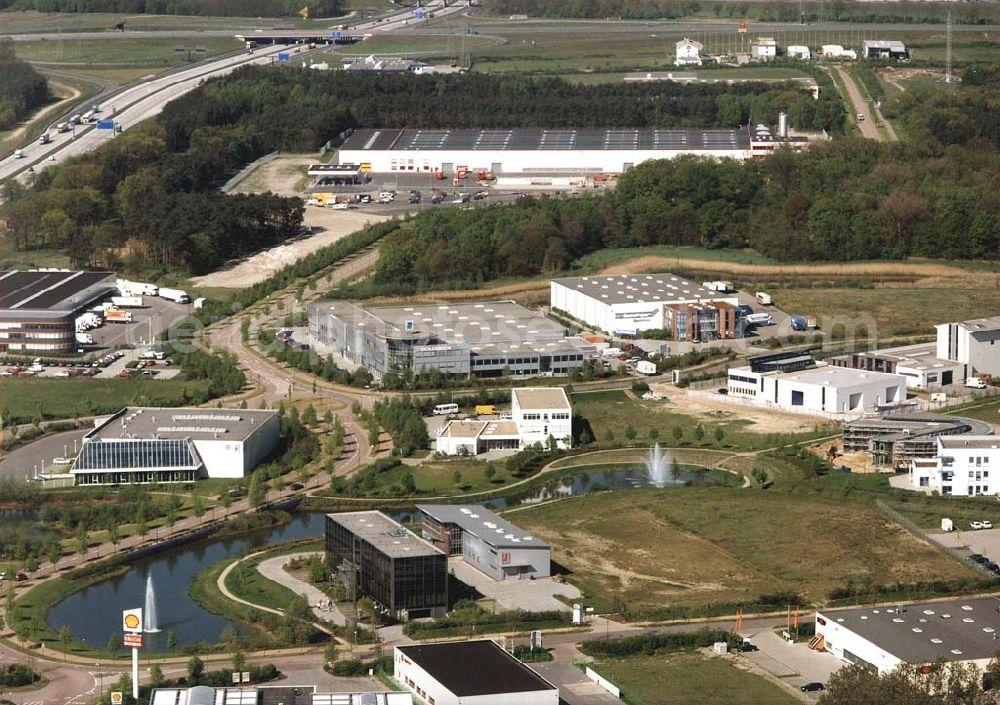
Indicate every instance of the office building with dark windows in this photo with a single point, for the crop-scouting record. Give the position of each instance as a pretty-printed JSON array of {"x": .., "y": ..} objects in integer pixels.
[
  {"x": 377, "y": 557},
  {"x": 145, "y": 445}
]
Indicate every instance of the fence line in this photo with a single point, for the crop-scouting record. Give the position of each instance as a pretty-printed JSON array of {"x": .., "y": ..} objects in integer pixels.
[
  {"x": 245, "y": 171},
  {"x": 917, "y": 531}
]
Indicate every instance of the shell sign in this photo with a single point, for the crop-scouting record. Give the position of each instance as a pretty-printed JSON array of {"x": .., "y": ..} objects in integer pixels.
[{"x": 132, "y": 620}]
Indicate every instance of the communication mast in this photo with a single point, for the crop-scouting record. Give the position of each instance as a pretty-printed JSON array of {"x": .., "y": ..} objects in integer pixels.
[{"x": 947, "y": 51}]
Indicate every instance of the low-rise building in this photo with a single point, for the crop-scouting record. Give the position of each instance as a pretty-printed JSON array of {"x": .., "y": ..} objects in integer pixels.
[
  {"x": 688, "y": 53},
  {"x": 38, "y": 308},
  {"x": 961, "y": 467},
  {"x": 893, "y": 441},
  {"x": 629, "y": 304},
  {"x": 487, "y": 339},
  {"x": 485, "y": 541},
  {"x": 404, "y": 575},
  {"x": 764, "y": 49},
  {"x": 882, "y": 638},
  {"x": 469, "y": 673},
  {"x": 972, "y": 343},
  {"x": 538, "y": 414},
  {"x": 884, "y": 49},
  {"x": 796, "y": 382},
  {"x": 272, "y": 695},
  {"x": 919, "y": 364},
  {"x": 146, "y": 445},
  {"x": 836, "y": 51},
  {"x": 798, "y": 51}
]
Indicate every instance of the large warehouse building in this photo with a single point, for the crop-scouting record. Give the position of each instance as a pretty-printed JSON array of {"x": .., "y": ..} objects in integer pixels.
[
  {"x": 482, "y": 339},
  {"x": 485, "y": 541},
  {"x": 469, "y": 673},
  {"x": 144, "y": 445},
  {"x": 628, "y": 304},
  {"x": 526, "y": 151},
  {"x": 881, "y": 638},
  {"x": 402, "y": 573},
  {"x": 972, "y": 343},
  {"x": 38, "y": 308},
  {"x": 794, "y": 381}
]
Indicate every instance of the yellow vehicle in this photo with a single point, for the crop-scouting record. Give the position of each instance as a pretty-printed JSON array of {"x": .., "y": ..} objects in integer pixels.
[
  {"x": 485, "y": 410},
  {"x": 322, "y": 199}
]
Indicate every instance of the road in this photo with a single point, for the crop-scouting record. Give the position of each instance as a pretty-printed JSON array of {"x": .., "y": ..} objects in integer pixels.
[{"x": 861, "y": 107}]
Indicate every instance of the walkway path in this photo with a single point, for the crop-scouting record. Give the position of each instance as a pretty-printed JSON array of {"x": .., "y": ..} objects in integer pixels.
[{"x": 274, "y": 569}]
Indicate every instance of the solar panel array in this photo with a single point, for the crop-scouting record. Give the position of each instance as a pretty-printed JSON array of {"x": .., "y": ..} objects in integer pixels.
[
  {"x": 621, "y": 139},
  {"x": 719, "y": 140},
  {"x": 670, "y": 139},
  {"x": 493, "y": 139},
  {"x": 557, "y": 139},
  {"x": 428, "y": 139}
]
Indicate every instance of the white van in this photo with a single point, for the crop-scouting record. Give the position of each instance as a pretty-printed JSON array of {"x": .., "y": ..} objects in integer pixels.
[
  {"x": 975, "y": 383},
  {"x": 18, "y": 154},
  {"x": 445, "y": 409}
]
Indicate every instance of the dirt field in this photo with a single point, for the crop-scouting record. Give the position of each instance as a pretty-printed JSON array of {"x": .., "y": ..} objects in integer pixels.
[
  {"x": 757, "y": 420},
  {"x": 285, "y": 176}
]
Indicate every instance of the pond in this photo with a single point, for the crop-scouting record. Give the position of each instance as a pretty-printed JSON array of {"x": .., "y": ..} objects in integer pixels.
[{"x": 94, "y": 613}]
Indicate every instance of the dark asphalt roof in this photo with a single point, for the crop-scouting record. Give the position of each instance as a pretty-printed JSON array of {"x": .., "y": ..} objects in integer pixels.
[
  {"x": 469, "y": 668},
  {"x": 47, "y": 290},
  {"x": 538, "y": 139}
]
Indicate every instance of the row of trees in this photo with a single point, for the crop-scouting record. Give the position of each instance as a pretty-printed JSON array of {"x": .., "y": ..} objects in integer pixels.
[
  {"x": 403, "y": 421},
  {"x": 209, "y": 8},
  {"x": 22, "y": 89}
]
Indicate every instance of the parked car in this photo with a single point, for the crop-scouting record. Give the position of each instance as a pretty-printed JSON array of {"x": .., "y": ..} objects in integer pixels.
[
  {"x": 987, "y": 524},
  {"x": 747, "y": 647},
  {"x": 977, "y": 557},
  {"x": 296, "y": 486},
  {"x": 20, "y": 575},
  {"x": 975, "y": 525},
  {"x": 812, "y": 687}
]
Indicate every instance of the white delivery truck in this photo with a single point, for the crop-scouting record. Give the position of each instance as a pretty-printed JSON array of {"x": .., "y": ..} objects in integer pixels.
[
  {"x": 611, "y": 352},
  {"x": 129, "y": 288},
  {"x": 975, "y": 383},
  {"x": 645, "y": 367},
  {"x": 175, "y": 295},
  {"x": 763, "y": 298},
  {"x": 759, "y": 319},
  {"x": 947, "y": 524},
  {"x": 85, "y": 338},
  {"x": 127, "y": 301}
]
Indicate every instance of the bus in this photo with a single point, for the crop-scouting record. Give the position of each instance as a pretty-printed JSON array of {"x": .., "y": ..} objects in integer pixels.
[{"x": 445, "y": 409}]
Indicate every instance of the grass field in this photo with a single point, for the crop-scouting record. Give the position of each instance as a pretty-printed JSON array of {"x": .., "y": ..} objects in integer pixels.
[
  {"x": 246, "y": 581},
  {"x": 698, "y": 547},
  {"x": 897, "y": 311},
  {"x": 683, "y": 678},
  {"x": 122, "y": 52},
  {"x": 25, "y": 399},
  {"x": 437, "y": 477}
]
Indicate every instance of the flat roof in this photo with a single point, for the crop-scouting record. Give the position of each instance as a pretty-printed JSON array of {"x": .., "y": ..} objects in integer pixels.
[
  {"x": 919, "y": 357},
  {"x": 591, "y": 139},
  {"x": 480, "y": 521},
  {"x": 136, "y": 423},
  {"x": 970, "y": 441},
  {"x": 462, "y": 428},
  {"x": 641, "y": 288},
  {"x": 272, "y": 695},
  {"x": 485, "y": 668},
  {"x": 385, "y": 534},
  {"x": 978, "y": 325},
  {"x": 885, "y": 44},
  {"x": 951, "y": 630},
  {"x": 541, "y": 398},
  {"x": 52, "y": 290},
  {"x": 469, "y": 323},
  {"x": 832, "y": 376}
]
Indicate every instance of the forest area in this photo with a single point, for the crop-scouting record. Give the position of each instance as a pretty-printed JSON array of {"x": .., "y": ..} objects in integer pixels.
[
  {"x": 203, "y": 8},
  {"x": 933, "y": 195},
  {"x": 149, "y": 198},
  {"x": 22, "y": 89}
]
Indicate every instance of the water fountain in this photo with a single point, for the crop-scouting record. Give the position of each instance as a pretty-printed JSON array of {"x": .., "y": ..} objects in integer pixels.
[
  {"x": 149, "y": 616},
  {"x": 659, "y": 467}
]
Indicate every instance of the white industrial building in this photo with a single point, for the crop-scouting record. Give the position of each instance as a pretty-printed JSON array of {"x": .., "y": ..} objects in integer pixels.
[
  {"x": 961, "y": 467},
  {"x": 882, "y": 638},
  {"x": 836, "y": 51},
  {"x": 628, "y": 304},
  {"x": 145, "y": 445},
  {"x": 972, "y": 343},
  {"x": 689, "y": 53},
  {"x": 884, "y": 49},
  {"x": 534, "y": 151},
  {"x": 816, "y": 387},
  {"x": 537, "y": 413},
  {"x": 798, "y": 51},
  {"x": 920, "y": 365},
  {"x": 469, "y": 673},
  {"x": 485, "y": 541},
  {"x": 764, "y": 48}
]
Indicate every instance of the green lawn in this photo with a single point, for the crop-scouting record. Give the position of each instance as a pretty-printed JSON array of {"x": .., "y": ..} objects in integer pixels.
[
  {"x": 246, "y": 581},
  {"x": 616, "y": 412},
  {"x": 24, "y": 399},
  {"x": 699, "y": 549},
  {"x": 153, "y": 52},
  {"x": 685, "y": 678}
]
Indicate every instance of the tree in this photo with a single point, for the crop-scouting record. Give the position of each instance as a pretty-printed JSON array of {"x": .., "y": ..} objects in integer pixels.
[
  {"x": 309, "y": 417},
  {"x": 114, "y": 643},
  {"x": 256, "y": 493},
  {"x": 65, "y": 637},
  {"x": 196, "y": 669},
  {"x": 409, "y": 483},
  {"x": 457, "y": 477},
  {"x": 719, "y": 434},
  {"x": 630, "y": 433},
  {"x": 172, "y": 642},
  {"x": 197, "y": 504},
  {"x": 239, "y": 660},
  {"x": 654, "y": 434},
  {"x": 81, "y": 540},
  {"x": 609, "y": 435},
  {"x": 156, "y": 675},
  {"x": 114, "y": 534},
  {"x": 699, "y": 433},
  {"x": 489, "y": 472}
]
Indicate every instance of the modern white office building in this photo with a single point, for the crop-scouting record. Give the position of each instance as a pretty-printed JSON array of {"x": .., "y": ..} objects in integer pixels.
[
  {"x": 920, "y": 365},
  {"x": 144, "y": 445},
  {"x": 469, "y": 673},
  {"x": 688, "y": 53},
  {"x": 819, "y": 388},
  {"x": 630, "y": 303},
  {"x": 537, "y": 413},
  {"x": 485, "y": 541},
  {"x": 973, "y": 343},
  {"x": 881, "y": 638},
  {"x": 961, "y": 467}
]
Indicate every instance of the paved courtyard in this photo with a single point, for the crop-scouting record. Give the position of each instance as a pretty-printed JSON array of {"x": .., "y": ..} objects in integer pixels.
[
  {"x": 792, "y": 664},
  {"x": 532, "y": 595}
]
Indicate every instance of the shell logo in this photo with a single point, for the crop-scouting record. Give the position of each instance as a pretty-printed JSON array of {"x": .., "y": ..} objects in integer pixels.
[{"x": 132, "y": 621}]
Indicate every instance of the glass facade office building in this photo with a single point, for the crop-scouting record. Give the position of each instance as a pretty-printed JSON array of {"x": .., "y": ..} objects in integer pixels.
[
  {"x": 137, "y": 460},
  {"x": 403, "y": 574}
]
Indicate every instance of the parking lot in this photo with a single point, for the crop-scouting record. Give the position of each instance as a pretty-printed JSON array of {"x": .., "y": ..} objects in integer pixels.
[
  {"x": 792, "y": 664},
  {"x": 532, "y": 595}
]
